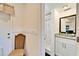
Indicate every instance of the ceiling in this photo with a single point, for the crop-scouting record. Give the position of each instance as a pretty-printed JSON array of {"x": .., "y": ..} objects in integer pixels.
[
  {"x": 59, "y": 6},
  {"x": 56, "y": 5}
]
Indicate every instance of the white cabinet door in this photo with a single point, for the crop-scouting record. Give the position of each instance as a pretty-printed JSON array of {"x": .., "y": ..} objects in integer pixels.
[
  {"x": 65, "y": 47},
  {"x": 70, "y": 47},
  {"x": 58, "y": 46}
]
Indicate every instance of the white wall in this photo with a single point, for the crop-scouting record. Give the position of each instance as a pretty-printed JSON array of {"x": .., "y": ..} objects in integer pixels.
[
  {"x": 18, "y": 18},
  {"x": 33, "y": 29}
]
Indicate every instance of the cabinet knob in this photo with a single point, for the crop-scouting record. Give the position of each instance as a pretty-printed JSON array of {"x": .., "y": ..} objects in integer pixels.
[{"x": 8, "y": 37}]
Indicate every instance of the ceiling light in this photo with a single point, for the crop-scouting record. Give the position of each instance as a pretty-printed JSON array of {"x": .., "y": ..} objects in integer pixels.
[{"x": 66, "y": 7}]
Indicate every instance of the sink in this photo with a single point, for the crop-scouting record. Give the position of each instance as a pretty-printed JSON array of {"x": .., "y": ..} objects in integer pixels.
[{"x": 66, "y": 34}]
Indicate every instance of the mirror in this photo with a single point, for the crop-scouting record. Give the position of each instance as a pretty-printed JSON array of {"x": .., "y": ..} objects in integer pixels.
[{"x": 68, "y": 24}]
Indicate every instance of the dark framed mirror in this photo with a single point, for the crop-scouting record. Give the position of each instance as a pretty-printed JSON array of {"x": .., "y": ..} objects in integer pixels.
[{"x": 67, "y": 24}]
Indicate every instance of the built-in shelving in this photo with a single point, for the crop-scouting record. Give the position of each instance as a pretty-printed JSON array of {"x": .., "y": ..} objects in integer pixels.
[{"x": 6, "y": 8}]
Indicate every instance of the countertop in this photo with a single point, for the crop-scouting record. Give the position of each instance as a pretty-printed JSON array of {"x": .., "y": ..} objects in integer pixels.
[{"x": 67, "y": 36}]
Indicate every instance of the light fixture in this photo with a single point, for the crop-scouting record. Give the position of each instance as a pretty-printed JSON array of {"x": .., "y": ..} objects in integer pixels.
[{"x": 66, "y": 7}]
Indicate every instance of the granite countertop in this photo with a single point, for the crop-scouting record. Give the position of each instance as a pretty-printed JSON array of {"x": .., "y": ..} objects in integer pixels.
[{"x": 68, "y": 36}]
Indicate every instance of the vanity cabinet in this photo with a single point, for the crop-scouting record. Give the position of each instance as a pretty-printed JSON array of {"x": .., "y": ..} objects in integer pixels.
[{"x": 65, "y": 47}]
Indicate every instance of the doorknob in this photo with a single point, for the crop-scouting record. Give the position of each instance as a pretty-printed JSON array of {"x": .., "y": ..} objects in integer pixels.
[
  {"x": 8, "y": 33},
  {"x": 9, "y": 37}
]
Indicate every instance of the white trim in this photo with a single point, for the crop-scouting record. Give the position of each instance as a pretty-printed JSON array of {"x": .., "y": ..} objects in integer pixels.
[{"x": 42, "y": 45}]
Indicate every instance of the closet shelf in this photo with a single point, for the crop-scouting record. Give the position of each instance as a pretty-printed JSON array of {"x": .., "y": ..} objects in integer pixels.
[{"x": 7, "y": 9}]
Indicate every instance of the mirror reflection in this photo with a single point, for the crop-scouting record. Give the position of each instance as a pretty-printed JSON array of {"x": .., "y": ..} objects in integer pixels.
[{"x": 68, "y": 25}]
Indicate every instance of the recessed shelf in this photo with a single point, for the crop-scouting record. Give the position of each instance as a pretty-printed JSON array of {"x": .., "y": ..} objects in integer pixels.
[{"x": 5, "y": 8}]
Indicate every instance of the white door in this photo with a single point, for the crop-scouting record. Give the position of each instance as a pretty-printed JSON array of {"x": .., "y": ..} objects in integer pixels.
[{"x": 6, "y": 42}]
